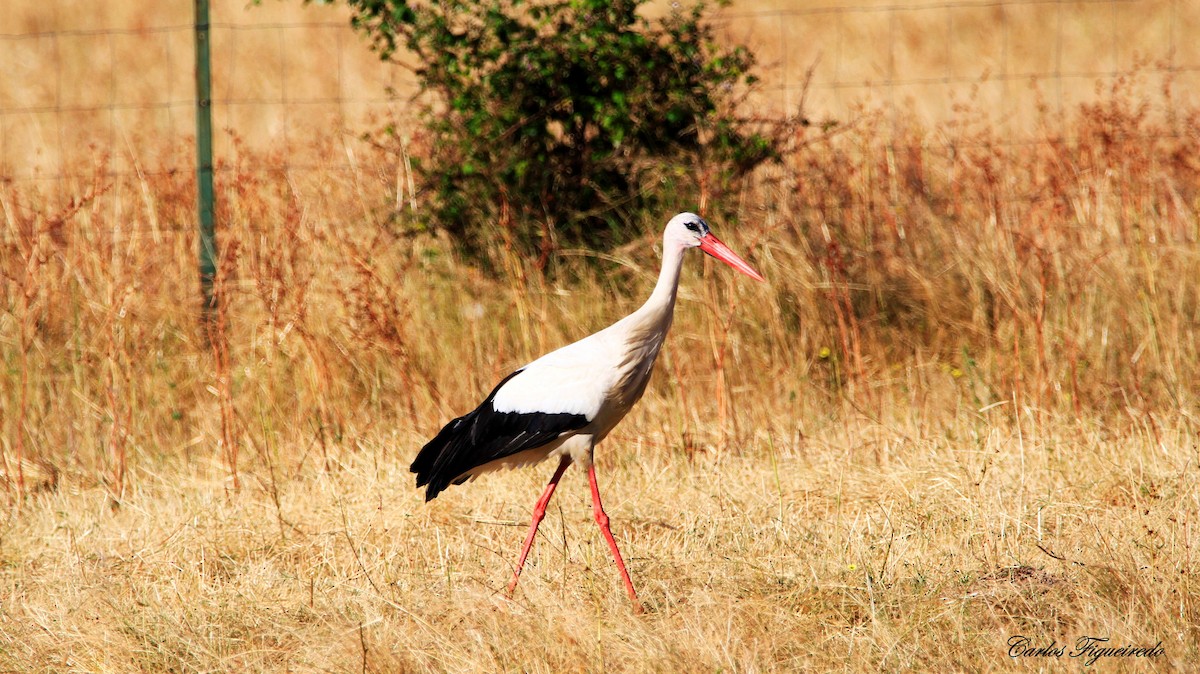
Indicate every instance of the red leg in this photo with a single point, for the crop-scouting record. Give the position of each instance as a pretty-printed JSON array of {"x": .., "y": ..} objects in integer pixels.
[
  {"x": 602, "y": 520},
  {"x": 539, "y": 511}
]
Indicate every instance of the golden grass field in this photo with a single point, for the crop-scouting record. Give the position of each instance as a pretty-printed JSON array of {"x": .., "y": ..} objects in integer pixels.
[{"x": 963, "y": 408}]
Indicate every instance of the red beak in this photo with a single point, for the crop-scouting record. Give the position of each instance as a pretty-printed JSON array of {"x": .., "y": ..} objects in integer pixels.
[{"x": 713, "y": 246}]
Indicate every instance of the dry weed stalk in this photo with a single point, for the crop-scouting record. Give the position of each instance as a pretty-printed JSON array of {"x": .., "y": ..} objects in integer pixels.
[
  {"x": 27, "y": 292},
  {"x": 218, "y": 337},
  {"x": 118, "y": 386}
]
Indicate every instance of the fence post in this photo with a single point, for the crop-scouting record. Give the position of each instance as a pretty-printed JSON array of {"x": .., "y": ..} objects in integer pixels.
[{"x": 204, "y": 162}]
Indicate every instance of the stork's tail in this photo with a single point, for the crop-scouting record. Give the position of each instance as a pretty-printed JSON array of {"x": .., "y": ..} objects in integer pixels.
[{"x": 434, "y": 464}]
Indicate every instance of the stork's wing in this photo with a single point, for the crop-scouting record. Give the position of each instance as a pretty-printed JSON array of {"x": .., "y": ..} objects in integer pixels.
[
  {"x": 573, "y": 380},
  {"x": 555, "y": 395},
  {"x": 494, "y": 430}
]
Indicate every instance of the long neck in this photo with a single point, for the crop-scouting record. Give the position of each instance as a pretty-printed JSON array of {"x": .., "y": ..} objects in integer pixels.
[{"x": 662, "y": 301}]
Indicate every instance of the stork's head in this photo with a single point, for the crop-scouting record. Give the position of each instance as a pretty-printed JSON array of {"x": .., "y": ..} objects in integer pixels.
[{"x": 688, "y": 230}]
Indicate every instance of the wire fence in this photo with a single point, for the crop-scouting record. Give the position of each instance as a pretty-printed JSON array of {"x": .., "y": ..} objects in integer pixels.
[{"x": 77, "y": 96}]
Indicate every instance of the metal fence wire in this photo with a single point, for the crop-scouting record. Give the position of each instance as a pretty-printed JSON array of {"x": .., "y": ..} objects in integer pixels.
[{"x": 78, "y": 85}]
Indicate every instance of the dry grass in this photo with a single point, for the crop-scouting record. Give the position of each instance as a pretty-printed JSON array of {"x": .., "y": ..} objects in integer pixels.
[
  {"x": 834, "y": 562},
  {"x": 963, "y": 408}
]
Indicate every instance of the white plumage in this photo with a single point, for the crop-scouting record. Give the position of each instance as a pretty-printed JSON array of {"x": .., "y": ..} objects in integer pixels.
[{"x": 561, "y": 381}]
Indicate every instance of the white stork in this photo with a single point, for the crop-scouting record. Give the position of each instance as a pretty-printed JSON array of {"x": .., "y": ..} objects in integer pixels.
[{"x": 564, "y": 403}]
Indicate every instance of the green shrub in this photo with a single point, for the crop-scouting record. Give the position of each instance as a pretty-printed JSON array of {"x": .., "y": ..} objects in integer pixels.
[{"x": 562, "y": 120}]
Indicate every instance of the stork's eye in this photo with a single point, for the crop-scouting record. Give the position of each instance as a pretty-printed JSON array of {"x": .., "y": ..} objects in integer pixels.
[{"x": 693, "y": 226}]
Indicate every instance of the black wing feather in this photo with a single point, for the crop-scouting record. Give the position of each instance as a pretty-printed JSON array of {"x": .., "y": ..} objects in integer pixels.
[{"x": 485, "y": 435}]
